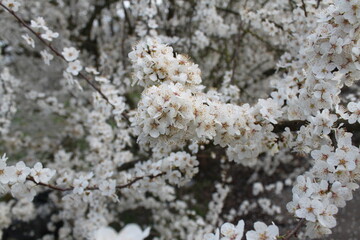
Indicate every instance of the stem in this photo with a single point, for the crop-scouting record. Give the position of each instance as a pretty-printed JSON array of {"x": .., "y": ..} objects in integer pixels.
[
  {"x": 53, "y": 187},
  {"x": 294, "y": 231},
  {"x": 304, "y": 8},
  {"x": 295, "y": 125},
  {"x": 318, "y": 4}
]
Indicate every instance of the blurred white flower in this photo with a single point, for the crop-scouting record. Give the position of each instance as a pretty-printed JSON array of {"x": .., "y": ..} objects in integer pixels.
[
  {"x": 12, "y": 5},
  {"x": 129, "y": 232},
  {"x": 74, "y": 67},
  {"x": 70, "y": 54}
]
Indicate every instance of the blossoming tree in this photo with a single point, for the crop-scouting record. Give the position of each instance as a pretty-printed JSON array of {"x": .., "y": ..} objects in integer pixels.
[{"x": 108, "y": 125}]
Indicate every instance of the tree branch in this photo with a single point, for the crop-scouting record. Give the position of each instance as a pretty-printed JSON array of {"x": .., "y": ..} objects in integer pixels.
[
  {"x": 55, "y": 51},
  {"x": 57, "y": 188},
  {"x": 318, "y": 4},
  {"x": 294, "y": 231},
  {"x": 304, "y": 8},
  {"x": 295, "y": 125}
]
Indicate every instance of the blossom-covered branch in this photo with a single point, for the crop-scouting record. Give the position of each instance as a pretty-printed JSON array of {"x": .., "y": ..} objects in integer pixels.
[{"x": 56, "y": 52}]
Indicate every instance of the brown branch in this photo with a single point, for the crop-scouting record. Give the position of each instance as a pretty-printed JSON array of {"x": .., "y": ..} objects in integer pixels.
[
  {"x": 139, "y": 178},
  {"x": 57, "y": 188},
  {"x": 295, "y": 125},
  {"x": 294, "y": 231},
  {"x": 56, "y": 52},
  {"x": 318, "y": 4},
  {"x": 53, "y": 187},
  {"x": 304, "y": 8}
]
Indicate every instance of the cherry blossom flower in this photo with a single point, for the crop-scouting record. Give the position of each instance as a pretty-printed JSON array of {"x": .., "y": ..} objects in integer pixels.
[
  {"x": 129, "y": 232},
  {"x": 325, "y": 215},
  {"x": 24, "y": 191},
  {"x": 308, "y": 208},
  {"x": 70, "y": 54},
  {"x": 342, "y": 160},
  {"x": 12, "y": 5},
  {"x": 263, "y": 232},
  {"x": 212, "y": 236},
  {"x": 39, "y": 22},
  {"x": 107, "y": 188},
  {"x": 29, "y": 40},
  {"x": 270, "y": 109},
  {"x": 323, "y": 122},
  {"x": 230, "y": 232},
  {"x": 22, "y": 171},
  {"x": 102, "y": 79},
  {"x": 7, "y": 173},
  {"x": 46, "y": 56},
  {"x": 303, "y": 186},
  {"x": 133, "y": 232},
  {"x": 49, "y": 35},
  {"x": 106, "y": 233},
  {"x": 92, "y": 70},
  {"x": 354, "y": 108},
  {"x": 323, "y": 154},
  {"x": 74, "y": 67},
  {"x": 41, "y": 174}
]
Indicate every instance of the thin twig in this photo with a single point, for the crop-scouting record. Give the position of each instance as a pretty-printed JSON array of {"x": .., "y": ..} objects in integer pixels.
[
  {"x": 294, "y": 231},
  {"x": 53, "y": 187},
  {"x": 318, "y": 4},
  {"x": 295, "y": 125},
  {"x": 57, "y": 188},
  {"x": 304, "y": 8}
]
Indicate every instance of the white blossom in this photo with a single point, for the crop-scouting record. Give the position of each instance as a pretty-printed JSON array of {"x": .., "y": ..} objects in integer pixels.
[
  {"x": 41, "y": 174},
  {"x": 129, "y": 232},
  {"x": 29, "y": 40},
  {"x": 263, "y": 232},
  {"x": 74, "y": 67},
  {"x": 12, "y": 4},
  {"x": 47, "y": 57},
  {"x": 49, "y": 35},
  {"x": 70, "y": 54}
]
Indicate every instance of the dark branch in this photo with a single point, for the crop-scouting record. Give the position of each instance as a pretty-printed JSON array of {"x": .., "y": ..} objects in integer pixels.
[
  {"x": 294, "y": 231},
  {"x": 304, "y": 8},
  {"x": 53, "y": 187},
  {"x": 295, "y": 125}
]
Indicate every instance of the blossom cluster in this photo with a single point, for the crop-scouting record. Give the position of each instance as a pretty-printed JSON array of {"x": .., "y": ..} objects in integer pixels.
[
  {"x": 20, "y": 179},
  {"x": 229, "y": 231},
  {"x": 319, "y": 193},
  {"x": 155, "y": 63},
  {"x": 175, "y": 113}
]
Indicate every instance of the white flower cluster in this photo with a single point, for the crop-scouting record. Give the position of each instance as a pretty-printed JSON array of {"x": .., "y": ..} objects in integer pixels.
[
  {"x": 319, "y": 193},
  {"x": 155, "y": 63},
  {"x": 327, "y": 62},
  {"x": 174, "y": 113},
  {"x": 230, "y": 232},
  {"x": 40, "y": 24},
  {"x": 20, "y": 179},
  {"x": 71, "y": 54}
]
